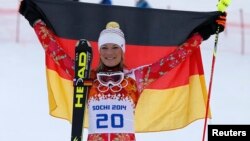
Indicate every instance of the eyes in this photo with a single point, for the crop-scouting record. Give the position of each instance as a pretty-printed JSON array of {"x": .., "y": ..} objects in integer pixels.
[{"x": 113, "y": 47}]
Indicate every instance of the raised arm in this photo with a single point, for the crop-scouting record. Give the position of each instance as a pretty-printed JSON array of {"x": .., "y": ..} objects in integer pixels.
[
  {"x": 53, "y": 48},
  {"x": 148, "y": 74},
  {"x": 47, "y": 38}
]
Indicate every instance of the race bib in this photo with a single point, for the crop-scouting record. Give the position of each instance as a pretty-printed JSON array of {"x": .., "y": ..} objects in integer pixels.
[{"x": 111, "y": 116}]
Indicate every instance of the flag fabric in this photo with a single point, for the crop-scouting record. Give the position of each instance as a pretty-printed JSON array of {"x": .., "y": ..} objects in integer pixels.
[{"x": 174, "y": 101}]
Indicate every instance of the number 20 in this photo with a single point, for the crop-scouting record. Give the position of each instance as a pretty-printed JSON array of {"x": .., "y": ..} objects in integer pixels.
[{"x": 102, "y": 120}]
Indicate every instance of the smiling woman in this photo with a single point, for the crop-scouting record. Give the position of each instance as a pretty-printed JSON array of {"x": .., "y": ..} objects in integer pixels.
[
  {"x": 111, "y": 45},
  {"x": 111, "y": 55},
  {"x": 114, "y": 84},
  {"x": 27, "y": 95}
]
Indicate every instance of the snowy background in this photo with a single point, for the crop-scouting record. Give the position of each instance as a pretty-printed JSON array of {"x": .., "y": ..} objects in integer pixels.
[{"x": 23, "y": 92}]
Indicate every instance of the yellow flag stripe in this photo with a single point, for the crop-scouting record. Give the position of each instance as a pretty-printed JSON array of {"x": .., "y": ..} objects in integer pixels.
[{"x": 157, "y": 110}]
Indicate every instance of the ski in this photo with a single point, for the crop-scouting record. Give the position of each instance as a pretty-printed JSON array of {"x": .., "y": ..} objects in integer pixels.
[{"x": 82, "y": 83}]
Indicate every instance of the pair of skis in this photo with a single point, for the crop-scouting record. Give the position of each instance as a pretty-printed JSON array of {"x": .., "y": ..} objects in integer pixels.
[{"x": 82, "y": 83}]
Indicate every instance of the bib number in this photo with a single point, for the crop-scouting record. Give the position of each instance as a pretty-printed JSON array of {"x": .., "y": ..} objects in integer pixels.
[{"x": 114, "y": 121}]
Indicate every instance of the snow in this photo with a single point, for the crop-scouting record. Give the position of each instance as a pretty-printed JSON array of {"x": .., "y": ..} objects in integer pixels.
[{"x": 23, "y": 91}]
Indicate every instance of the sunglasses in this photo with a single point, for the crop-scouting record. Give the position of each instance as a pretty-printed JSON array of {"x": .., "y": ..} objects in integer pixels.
[{"x": 110, "y": 78}]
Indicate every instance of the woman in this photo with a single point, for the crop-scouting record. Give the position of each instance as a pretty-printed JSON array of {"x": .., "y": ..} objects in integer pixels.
[{"x": 115, "y": 91}]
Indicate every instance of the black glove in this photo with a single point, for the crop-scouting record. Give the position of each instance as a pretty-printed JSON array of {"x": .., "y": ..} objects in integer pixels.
[
  {"x": 208, "y": 30},
  {"x": 27, "y": 9}
]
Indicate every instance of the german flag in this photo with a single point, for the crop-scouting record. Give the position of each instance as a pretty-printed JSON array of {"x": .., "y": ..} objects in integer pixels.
[{"x": 175, "y": 100}]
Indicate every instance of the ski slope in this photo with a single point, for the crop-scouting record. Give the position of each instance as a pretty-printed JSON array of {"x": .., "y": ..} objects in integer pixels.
[{"x": 23, "y": 91}]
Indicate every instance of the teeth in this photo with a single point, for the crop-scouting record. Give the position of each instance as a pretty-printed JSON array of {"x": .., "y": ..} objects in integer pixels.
[{"x": 110, "y": 58}]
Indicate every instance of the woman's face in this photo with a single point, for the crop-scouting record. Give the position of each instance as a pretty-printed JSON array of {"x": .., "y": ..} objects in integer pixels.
[{"x": 111, "y": 54}]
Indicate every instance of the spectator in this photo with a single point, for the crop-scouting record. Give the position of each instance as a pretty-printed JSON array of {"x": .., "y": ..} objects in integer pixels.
[
  {"x": 142, "y": 4},
  {"x": 107, "y": 2}
]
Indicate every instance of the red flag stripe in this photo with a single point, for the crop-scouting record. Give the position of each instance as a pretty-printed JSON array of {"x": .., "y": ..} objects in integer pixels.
[{"x": 134, "y": 52}]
